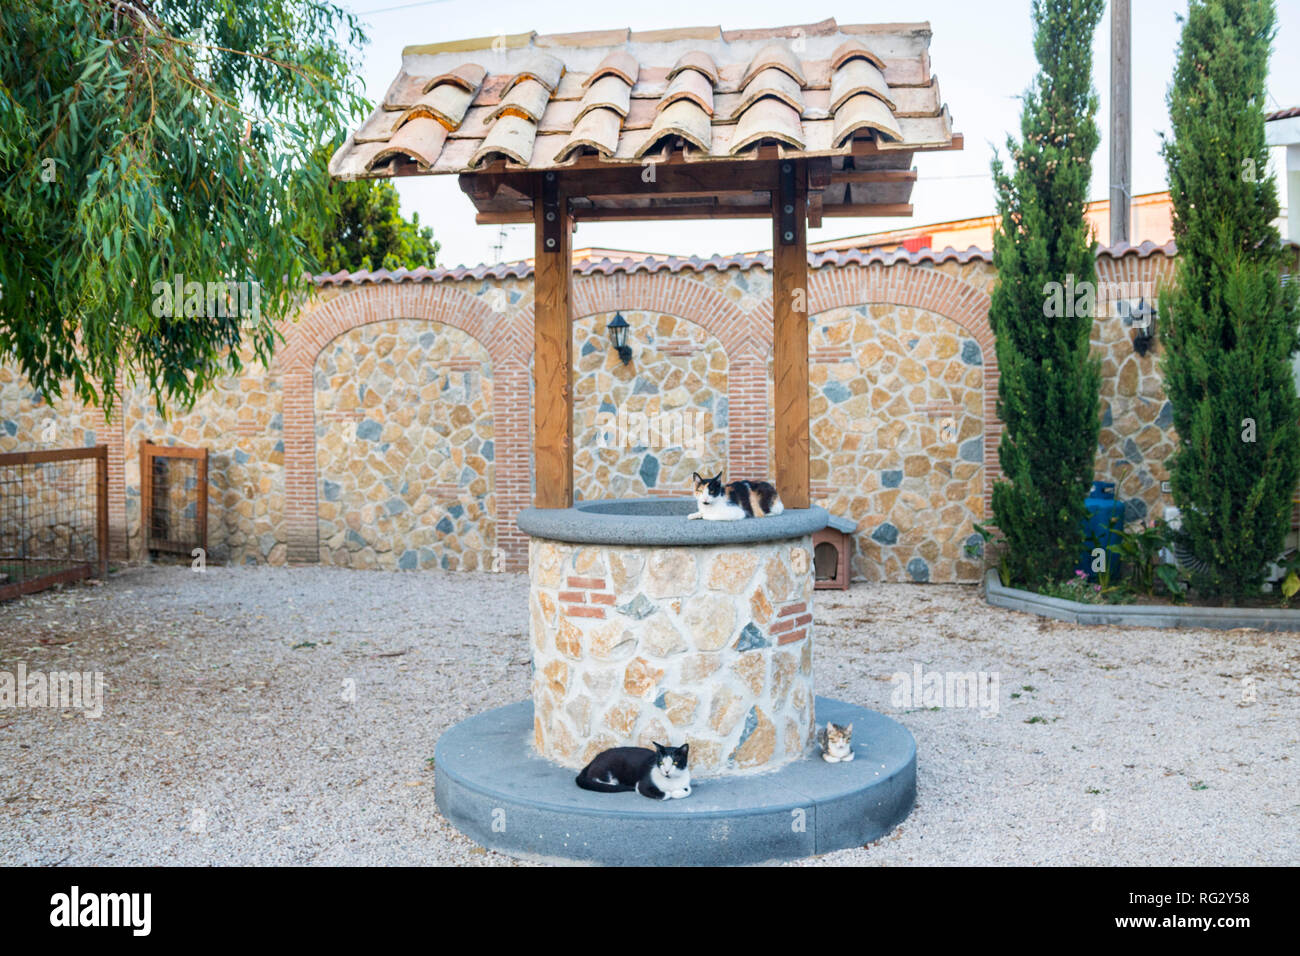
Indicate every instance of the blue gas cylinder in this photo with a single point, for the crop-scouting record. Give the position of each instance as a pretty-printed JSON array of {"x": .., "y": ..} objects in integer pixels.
[{"x": 1102, "y": 526}]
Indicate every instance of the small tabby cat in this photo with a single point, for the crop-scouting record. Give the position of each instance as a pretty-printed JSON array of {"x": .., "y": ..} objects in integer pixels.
[
  {"x": 837, "y": 743},
  {"x": 659, "y": 774},
  {"x": 734, "y": 500}
]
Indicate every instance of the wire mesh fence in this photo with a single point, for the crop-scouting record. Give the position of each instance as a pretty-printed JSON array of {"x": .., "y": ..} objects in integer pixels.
[{"x": 53, "y": 518}]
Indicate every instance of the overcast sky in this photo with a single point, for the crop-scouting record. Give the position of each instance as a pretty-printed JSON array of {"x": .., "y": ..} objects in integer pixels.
[{"x": 981, "y": 53}]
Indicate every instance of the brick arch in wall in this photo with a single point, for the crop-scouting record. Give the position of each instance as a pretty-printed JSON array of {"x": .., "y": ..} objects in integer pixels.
[
  {"x": 499, "y": 335},
  {"x": 745, "y": 341},
  {"x": 673, "y": 356},
  {"x": 746, "y": 336},
  {"x": 921, "y": 288}
]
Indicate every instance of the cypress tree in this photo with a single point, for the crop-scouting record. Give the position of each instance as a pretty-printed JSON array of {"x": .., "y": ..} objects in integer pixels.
[
  {"x": 1227, "y": 325},
  {"x": 1042, "y": 309}
]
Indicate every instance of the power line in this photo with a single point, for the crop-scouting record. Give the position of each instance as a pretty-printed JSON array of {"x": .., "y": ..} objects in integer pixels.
[{"x": 404, "y": 6}]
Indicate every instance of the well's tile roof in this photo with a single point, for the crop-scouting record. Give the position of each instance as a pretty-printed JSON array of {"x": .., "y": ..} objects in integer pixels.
[{"x": 620, "y": 96}]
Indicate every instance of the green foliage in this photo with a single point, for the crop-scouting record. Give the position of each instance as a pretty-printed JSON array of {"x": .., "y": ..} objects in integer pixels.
[
  {"x": 1228, "y": 326},
  {"x": 1049, "y": 386},
  {"x": 364, "y": 229},
  {"x": 1079, "y": 588},
  {"x": 1139, "y": 553},
  {"x": 1172, "y": 581},
  {"x": 142, "y": 142},
  {"x": 999, "y": 542}
]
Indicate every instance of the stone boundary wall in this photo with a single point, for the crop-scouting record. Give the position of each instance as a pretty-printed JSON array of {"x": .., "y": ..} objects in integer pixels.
[{"x": 908, "y": 331}]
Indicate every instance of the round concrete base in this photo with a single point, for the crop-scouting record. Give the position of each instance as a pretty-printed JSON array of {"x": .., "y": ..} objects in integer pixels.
[{"x": 495, "y": 789}]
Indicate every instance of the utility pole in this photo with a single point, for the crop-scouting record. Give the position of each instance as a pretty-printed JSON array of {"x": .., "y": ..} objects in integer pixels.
[{"x": 1121, "y": 132}]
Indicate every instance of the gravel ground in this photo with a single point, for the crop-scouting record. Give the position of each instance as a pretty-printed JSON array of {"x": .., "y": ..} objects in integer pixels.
[{"x": 226, "y": 735}]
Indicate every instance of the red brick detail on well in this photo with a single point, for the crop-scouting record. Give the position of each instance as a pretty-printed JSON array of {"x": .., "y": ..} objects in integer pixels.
[
  {"x": 571, "y": 610},
  {"x": 792, "y": 637}
]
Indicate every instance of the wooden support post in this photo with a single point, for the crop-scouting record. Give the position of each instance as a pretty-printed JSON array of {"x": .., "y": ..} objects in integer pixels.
[
  {"x": 101, "y": 508},
  {"x": 146, "y": 495},
  {"x": 552, "y": 345},
  {"x": 790, "y": 332},
  {"x": 201, "y": 502}
]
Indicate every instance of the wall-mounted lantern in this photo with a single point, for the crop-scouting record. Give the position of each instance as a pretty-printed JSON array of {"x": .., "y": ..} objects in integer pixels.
[
  {"x": 617, "y": 329},
  {"x": 1141, "y": 318}
]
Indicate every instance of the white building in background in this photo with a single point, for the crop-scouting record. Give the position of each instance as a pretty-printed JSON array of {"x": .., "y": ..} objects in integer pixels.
[{"x": 1282, "y": 133}]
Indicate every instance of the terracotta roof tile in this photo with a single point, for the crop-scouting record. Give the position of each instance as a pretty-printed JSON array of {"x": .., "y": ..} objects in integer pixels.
[
  {"x": 445, "y": 102},
  {"x": 855, "y": 48},
  {"x": 684, "y": 119},
  {"x": 674, "y": 34},
  {"x": 678, "y": 264},
  {"x": 527, "y": 100},
  {"x": 689, "y": 84},
  {"x": 542, "y": 67},
  {"x": 859, "y": 76},
  {"x": 611, "y": 92},
  {"x": 777, "y": 56},
  {"x": 538, "y": 101},
  {"x": 511, "y": 137},
  {"x": 592, "y": 38},
  {"x": 468, "y": 76},
  {"x": 696, "y": 60},
  {"x": 421, "y": 139},
  {"x": 863, "y": 111},
  {"x": 768, "y": 118},
  {"x": 618, "y": 63},
  {"x": 598, "y": 130},
  {"x": 770, "y": 82},
  {"x": 379, "y": 128}
]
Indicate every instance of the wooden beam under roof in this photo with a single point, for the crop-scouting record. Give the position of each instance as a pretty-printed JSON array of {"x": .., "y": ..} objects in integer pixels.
[{"x": 699, "y": 211}]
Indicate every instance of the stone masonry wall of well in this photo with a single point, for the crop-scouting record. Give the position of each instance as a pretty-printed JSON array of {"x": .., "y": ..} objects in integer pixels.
[
  {"x": 392, "y": 429},
  {"x": 711, "y": 646}
]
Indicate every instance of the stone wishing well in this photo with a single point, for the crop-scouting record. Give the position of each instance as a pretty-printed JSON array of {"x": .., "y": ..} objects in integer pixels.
[
  {"x": 698, "y": 638},
  {"x": 647, "y": 626}
]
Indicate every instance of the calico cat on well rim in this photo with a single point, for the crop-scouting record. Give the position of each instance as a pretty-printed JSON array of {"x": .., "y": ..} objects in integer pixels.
[
  {"x": 836, "y": 742},
  {"x": 659, "y": 774},
  {"x": 735, "y": 499}
]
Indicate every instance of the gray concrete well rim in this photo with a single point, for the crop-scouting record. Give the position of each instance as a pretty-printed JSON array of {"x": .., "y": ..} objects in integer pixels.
[{"x": 661, "y": 522}]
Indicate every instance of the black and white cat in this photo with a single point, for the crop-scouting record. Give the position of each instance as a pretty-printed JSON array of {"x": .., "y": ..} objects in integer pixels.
[
  {"x": 659, "y": 774},
  {"x": 734, "y": 500}
]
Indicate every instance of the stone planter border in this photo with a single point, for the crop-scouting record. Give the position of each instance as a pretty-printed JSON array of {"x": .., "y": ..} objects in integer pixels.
[{"x": 1137, "y": 615}]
